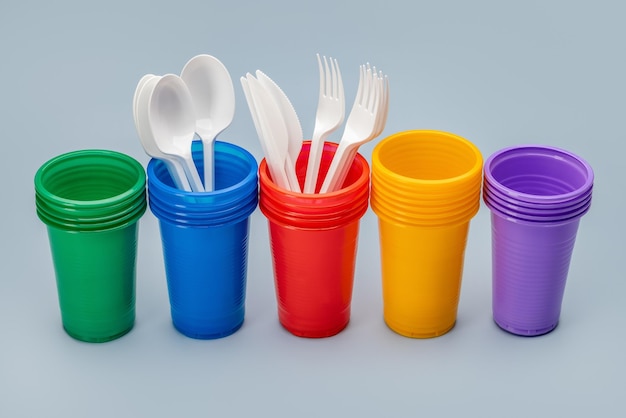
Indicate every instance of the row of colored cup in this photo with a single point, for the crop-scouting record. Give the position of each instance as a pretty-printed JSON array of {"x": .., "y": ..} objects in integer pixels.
[{"x": 425, "y": 188}]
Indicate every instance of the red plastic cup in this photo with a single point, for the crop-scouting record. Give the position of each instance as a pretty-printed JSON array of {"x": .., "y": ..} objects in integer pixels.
[{"x": 314, "y": 243}]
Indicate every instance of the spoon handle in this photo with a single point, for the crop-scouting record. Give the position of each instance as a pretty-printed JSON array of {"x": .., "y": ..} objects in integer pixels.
[
  {"x": 192, "y": 173},
  {"x": 178, "y": 175},
  {"x": 209, "y": 165}
]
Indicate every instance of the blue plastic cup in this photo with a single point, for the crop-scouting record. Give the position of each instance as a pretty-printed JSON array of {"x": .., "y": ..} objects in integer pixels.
[{"x": 205, "y": 241}]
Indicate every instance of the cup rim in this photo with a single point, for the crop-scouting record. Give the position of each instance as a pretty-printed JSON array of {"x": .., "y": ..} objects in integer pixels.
[
  {"x": 155, "y": 181},
  {"x": 549, "y": 218},
  {"x": 315, "y": 210},
  {"x": 511, "y": 218},
  {"x": 350, "y": 189},
  {"x": 532, "y": 210},
  {"x": 221, "y": 206},
  {"x": 543, "y": 150},
  {"x": 131, "y": 164},
  {"x": 548, "y": 205},
  {"x": 458, "y": 181}
]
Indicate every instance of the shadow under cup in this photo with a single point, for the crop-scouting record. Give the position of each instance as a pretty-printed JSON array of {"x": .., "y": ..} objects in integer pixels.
[
  {"x": 91, "y": 201},
  {"x": 205, "y": 241},
  {"x": 537, "y": 195}
]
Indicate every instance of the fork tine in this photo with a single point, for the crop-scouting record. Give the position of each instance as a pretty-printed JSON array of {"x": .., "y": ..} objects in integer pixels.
[
  {"x": 381, "y": 105},
  {"x": 361, "y": 87},
  {"x": 385, "y": 111},
  {"x": 328, "y": 89},
  {"x": 366, "y": 88},
  {"x": 333, "y": 78},
  {"x": 321, "y": 71},
  {"x": 375, "y": 101},
  {"x": 340, "y": 93},
  {"x": 381, "y": 117},
  {"x": 370, "y": 93}
]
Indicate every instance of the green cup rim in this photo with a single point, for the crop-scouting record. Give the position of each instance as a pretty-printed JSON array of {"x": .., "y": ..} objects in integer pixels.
[{"x": 105, "y": 156}]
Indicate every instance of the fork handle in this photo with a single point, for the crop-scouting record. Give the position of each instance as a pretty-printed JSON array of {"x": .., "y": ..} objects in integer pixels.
[
  {"x": 345, "y": 168},
  {"x": 339, "y": 167},
  {"x": 313, "y": 165}
]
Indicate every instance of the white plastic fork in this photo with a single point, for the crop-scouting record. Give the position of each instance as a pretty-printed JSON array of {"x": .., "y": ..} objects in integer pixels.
[
  {"x": 330, "y": 115},
  {"x": 361, "y": 127},
  {"x": 381, "y": 121}
]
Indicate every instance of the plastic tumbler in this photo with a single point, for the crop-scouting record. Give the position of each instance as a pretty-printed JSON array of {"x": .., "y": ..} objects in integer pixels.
[
  {"x": 314, "y": 244},
  {"x": 91, "y": 201},
  {"x": 537, "y": 195},
  {"x": 205, "y": 241},
  {"x": 425, "y": 190}
]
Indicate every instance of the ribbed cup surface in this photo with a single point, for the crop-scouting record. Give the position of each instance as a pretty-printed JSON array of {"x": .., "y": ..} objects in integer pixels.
[
  {"x": 90, "y": 190},
  {"x": 427, "y": 178},
  {"x": 539, "y": 174},
  {"x": 537, "y": 195},
  {"x": 313, "y": 239},
  {"x": 91, "y": 201},
  {"x": 530, "y": 267},
  {"x": 425, "y": 189},
  {"x": 205, "y": 241}
]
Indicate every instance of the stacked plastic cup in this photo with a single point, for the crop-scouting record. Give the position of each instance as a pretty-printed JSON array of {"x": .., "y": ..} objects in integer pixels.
[
  {"x": 205, "y": 241},
  {"x": 314, "y": 243},
  {"x": 425, "y": 190},
  {"x": 537, "y": 195},
  {"x": 91, "y": 201}
]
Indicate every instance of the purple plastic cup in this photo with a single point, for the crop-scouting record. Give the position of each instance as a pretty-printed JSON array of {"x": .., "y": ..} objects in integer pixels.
[
  {"x": 536, "y": 196},
  {"x": 530, "y": 264},
  {"x": 539, "y": 174}
]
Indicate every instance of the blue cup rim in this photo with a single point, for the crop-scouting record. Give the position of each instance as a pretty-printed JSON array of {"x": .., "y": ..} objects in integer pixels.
[{"x": 224, "y": 205}]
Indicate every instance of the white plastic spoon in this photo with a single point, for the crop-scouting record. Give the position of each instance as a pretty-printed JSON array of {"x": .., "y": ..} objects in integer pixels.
[
  {"x": 144, "y": 131},
  {"x": 171, "y": 117},
  {"x": 140, "y": 84},
  {"x": 213, "y": 97}
]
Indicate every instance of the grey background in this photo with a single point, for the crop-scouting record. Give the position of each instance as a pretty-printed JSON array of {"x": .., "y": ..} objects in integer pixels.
[{"x": 498, "y": 73}]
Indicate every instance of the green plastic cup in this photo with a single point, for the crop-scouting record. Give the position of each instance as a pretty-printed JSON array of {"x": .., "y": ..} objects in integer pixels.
[{"x": 91, "y": 201}]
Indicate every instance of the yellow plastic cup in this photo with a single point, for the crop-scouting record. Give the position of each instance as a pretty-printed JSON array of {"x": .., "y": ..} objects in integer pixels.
[{"x": 425, "y": 190}]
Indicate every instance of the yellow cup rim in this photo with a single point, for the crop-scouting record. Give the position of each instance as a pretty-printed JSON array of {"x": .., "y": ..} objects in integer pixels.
[{"x": 460, "y": 180}]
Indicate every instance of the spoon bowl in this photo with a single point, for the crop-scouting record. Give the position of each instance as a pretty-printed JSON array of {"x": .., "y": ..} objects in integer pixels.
[
  {"x": 171, "y": 118},
  {"x": 144, "y": 131},
  {"x": 213, "y": 97}
]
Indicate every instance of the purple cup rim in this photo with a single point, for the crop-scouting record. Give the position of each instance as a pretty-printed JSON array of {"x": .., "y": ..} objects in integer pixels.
[
  {"x": 543, "y": 150},
  {"x": 529, "y": 208},
  {"x": 532, "y": 223},
  {"x": 536, "y": 219},
  {"x": 541, "y": 205}
]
